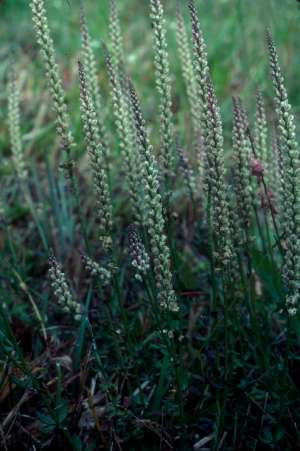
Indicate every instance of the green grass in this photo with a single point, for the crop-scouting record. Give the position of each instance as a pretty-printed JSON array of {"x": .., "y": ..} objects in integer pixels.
[{"x": 219, "y": 379}]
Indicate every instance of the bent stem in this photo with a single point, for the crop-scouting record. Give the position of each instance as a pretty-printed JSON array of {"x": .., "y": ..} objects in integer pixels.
[{"x": 267, "y": 194}]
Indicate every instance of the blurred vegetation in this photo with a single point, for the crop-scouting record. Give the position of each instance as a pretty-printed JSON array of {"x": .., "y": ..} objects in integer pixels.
[{"x": 234, "y": 31}]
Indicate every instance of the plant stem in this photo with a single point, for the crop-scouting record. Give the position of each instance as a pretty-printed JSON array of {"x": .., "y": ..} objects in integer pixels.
[
  {"x": 211, "y": 252},
  {"x": 131, "y": 343},
  {"x": 267, "y": 194}
]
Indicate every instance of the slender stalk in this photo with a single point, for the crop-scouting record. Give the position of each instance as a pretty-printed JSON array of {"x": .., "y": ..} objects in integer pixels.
[
  {"x": 259, "y": 229},
  {"x": 285, "y": 388},
  {"x": 99, "y": 360},
  {"x": 130, "y": 341},
  {"x": 109, "y": 315},
  {"x": 211, "y": 252},
  {"x": 224, "y": 287},
  {"x": 29, "y": 201},
  {"x": 252, "y": 301},
  {"x": 169, "y": 346},
  {"x": 267, "y": 195}
]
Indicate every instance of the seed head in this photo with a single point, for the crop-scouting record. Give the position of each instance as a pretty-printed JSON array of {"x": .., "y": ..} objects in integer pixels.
[
  {"x": 14, "y": 126},
  {"x": 62, "y": 290},
  {"x": 97, "y": 158},
  {"x": 140, "y": 260}
]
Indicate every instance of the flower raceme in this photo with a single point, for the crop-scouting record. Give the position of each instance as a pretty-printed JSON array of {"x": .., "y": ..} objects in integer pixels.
[
  {"x": 140, "y": 260},
  {"x": 14, "y": 126},
  {"x": 163, "y": 84},
  {"x": 290, "y": 181},
  {"x": 89, "y": 63},
  {"x": 45, "y": 42},
  {"x": 154, "y": 221},
  {"x": 97, "y": 159},
  {"x": 62, "y": 290}
]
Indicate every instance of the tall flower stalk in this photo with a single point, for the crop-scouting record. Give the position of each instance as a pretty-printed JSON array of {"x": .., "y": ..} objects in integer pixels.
[
  {"x": 200, "y": 63},
  {"x": 116, "y": 36},
  {"x": 290, "y": 190},
  {"x": 97, "y": 157},
  {"x": 276, "y": 169},
  {"x": 187, "y": 69},
  {"x": 154, "y": 221},
  {"x": 261, "y": 133},
  {"x": 14, "y": 126},
  {"x": 163, "y": 84},
  {"x": 216, "y": 179},
  {"x": 44, "y": 39},
  {"x": 18, "y": 151},
  {"x": 241, "y": 166},
  {"x": 89, "y": 63},
  {"x": 187, "y": 172},
  {"x": 214, "y": 167},
  {"x": 131, "y": 157}
]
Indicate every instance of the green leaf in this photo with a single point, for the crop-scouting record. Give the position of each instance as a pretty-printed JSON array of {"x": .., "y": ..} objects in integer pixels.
[
  {"x": 269, "y": 274},
  {"x": 76, "y": 443},
  {"x": 162, "y": 386},
  {"x": 46, "y": 419},
  {"x": 62, "y": 411}
]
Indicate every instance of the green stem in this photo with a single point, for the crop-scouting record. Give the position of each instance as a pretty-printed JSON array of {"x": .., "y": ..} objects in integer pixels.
[
  {"x": 172, "y": 354},
  {"x": 285, "y": 387},
  {"x": 260, "y": 231},
  {"x": 251, "y": 301},
  {"x": 28, "y": 199},
  {"x": 268, "y": 235},
  {"x": 82, "y": 222},
  {"x": 211, "y": 252},
  {"x": 98, "y": 359},
  {"x": 263, "y": 181},
  {"x": 226, "y": 326},
  {"x": 131, "y": 344}
]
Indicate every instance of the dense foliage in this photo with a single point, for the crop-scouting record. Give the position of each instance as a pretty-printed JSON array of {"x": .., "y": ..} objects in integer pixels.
[{"x": 150, "y": 268}]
